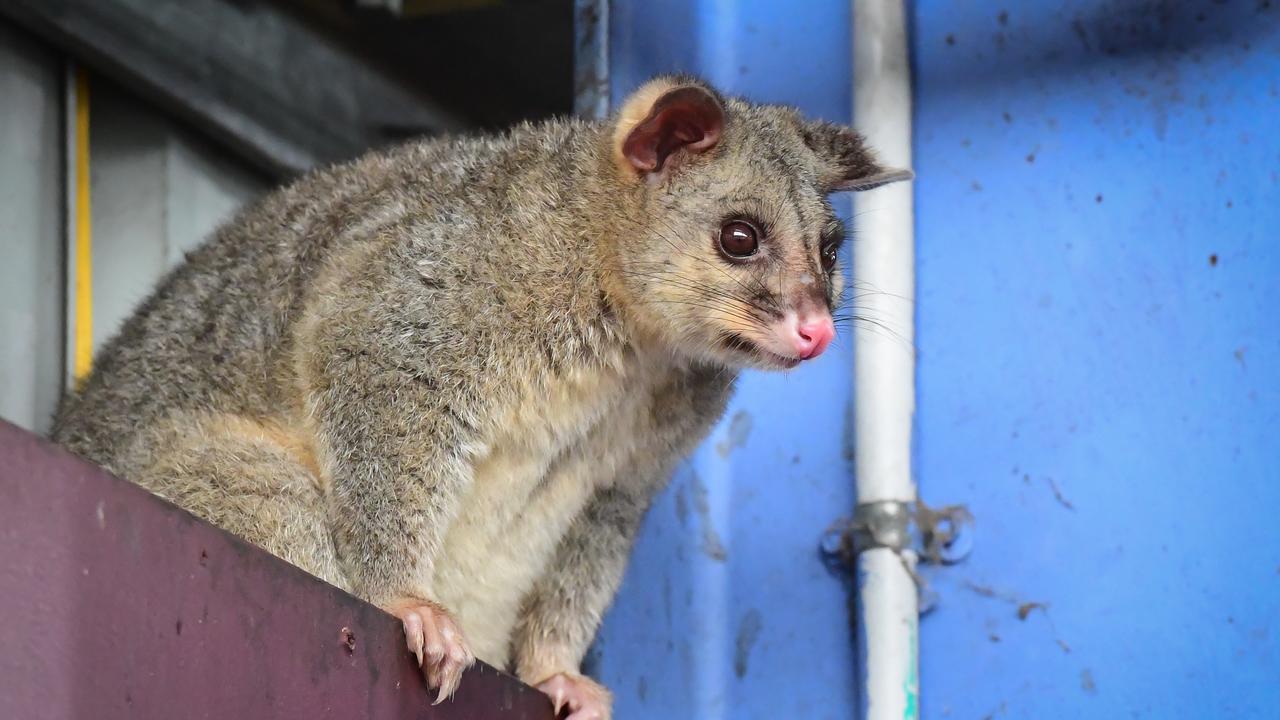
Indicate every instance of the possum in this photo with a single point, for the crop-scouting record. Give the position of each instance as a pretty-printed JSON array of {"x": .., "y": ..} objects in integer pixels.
[{"x": 450, "y": 376}]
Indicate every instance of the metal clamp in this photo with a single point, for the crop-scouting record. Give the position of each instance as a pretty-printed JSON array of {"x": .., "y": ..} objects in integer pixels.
[
  {"x": 938, "y": 536},
  {"x": 883, "y": 524}
]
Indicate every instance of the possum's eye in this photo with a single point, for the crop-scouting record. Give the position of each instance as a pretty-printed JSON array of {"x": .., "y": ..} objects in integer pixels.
[
  {"x": 829, "y": 252},
  {"x": 739, "y": 239},
  {"x": 829, "y": 245}
]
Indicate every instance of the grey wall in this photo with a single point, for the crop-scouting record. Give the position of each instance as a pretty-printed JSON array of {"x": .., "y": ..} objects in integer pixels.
[
  {"x": 31, "y": 230},
  {"x": 157, "y": 191}
]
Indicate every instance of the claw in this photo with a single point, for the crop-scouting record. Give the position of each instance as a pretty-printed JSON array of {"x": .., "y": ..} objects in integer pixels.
[
  {"x": 432, "y": 673},
  {"x": 435, "y": 640},
  {"x": 558, "y": 702},
  {"x": 451, "y": 677},
  {"x": 585, "y": 698},
  {"x": 413, "y": 634}
]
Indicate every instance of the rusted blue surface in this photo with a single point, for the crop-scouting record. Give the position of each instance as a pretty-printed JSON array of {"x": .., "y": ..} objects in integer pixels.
[
  {"x": 1098, "y": 229},
  {"x": 1098, "y": 202},
  {"x": 119, "y": 605},
  {"x": 727, "y": 610}
]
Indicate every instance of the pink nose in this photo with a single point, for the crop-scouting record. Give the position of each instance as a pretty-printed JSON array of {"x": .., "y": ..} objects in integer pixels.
[{"x": 813, "y": 336}]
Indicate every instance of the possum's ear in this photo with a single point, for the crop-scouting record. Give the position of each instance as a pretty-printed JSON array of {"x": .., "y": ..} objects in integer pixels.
[
  {"x": 844, "y": 161},
  {"x": 664, "y": 123}
]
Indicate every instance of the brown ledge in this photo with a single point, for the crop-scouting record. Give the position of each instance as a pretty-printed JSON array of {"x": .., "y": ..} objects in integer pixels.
[{"x": 116, "y": 604}]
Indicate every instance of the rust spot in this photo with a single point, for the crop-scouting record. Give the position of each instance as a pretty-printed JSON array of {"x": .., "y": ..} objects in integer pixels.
[
  {"x": 1027, "y": 608},
  {"x": 983, "y": 590},
  {"x": 1086, "y": 682},
  {"x": 739, "y": 430},
  {"x": 1098, "y": 198},
  {"x": 1031, "y": 157},
  {"x": 1057, "y": 495},
  {"x": 748, "y": 633},
  {"x": 1213, "y": 260},
  {"x": 951, "y": 39},
  {"x": 712, "y": 546},
  {"x": 348, "y": 639}
]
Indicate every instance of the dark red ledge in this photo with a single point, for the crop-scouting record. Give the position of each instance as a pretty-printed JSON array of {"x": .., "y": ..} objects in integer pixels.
[{"x": 116, "y": 604}]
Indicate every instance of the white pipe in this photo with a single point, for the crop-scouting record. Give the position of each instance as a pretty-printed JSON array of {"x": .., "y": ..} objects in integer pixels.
[{"x": 884, "y": 375}]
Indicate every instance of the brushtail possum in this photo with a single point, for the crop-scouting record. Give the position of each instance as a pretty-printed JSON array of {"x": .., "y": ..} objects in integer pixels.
[{"x": 449, "y": 377}]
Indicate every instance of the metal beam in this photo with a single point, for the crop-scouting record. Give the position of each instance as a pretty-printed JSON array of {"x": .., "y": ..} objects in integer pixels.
[
  {"x": 250, "y": 74},
  {"x": 591, "y": 58},
  {"x": 409, "y": 8}
]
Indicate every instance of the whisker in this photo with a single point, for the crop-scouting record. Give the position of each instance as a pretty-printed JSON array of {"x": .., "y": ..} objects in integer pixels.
[
  {"x": 726, "y": 310},
  {"x": 710, "y": 294},
  {"x": 661, "y": 271},
  {"x": 686, "y": 282},
  {"x": 675, "y": 247}
]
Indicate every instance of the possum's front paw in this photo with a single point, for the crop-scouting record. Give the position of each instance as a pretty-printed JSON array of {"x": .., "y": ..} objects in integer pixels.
[
  {"x": 436, "y": 640},
  {"x": 585, "y": 698}
]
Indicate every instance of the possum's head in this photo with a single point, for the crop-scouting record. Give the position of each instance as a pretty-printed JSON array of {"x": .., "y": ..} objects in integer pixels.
[{"x": 730, "y": 248}]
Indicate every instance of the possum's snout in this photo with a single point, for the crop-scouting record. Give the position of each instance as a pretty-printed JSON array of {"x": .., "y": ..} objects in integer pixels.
[
  {"x": 795, "y": 336},
  {"x": 812, "y": 337},
  {"x": 803, "y": 335}
]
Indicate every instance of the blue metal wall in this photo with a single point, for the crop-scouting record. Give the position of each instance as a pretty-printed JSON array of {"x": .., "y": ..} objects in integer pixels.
[
  {"x": 727, "y": 610},
  {"x": 1099, "y": 344},
  {"x": 1099, "y": 333}
]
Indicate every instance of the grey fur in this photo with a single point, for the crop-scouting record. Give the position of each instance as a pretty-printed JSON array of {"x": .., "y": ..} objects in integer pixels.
[{"x": 327, "y": 375}]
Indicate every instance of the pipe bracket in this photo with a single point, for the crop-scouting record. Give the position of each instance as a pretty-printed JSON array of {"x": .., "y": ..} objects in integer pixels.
[
  {"x": 882, "y": 524},
  {"x": 939, "y": 536}
]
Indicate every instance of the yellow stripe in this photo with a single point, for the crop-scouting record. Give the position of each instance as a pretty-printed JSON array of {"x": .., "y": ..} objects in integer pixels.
[{"x": 83, "y": 347}]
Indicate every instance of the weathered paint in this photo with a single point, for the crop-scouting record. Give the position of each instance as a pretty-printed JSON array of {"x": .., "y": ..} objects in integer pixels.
[
  {"x": 727, "y": 610},
  {"x": 119, "y": 605},
  {"x": 911, "y": 686},
  {"x": 1098, "y": 225}
]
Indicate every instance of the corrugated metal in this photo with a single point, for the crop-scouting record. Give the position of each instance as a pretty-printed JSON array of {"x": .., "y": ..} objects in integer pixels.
[
  {"x": 727, "y": 610},
  {"x": 31, "y": 230},
  {"x": 255, "y": 75},
  {"x": 1099, "y": 246},
  {"x": 158, "y": 191}
]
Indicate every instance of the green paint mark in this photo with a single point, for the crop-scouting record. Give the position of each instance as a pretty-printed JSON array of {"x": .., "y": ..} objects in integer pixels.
[{"x": 911, "y": 686}]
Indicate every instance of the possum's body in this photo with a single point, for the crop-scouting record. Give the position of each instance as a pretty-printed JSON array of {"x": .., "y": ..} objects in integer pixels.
[
  {"x": 203, "y": 396},
  {"x": 451, "y": 376}
]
